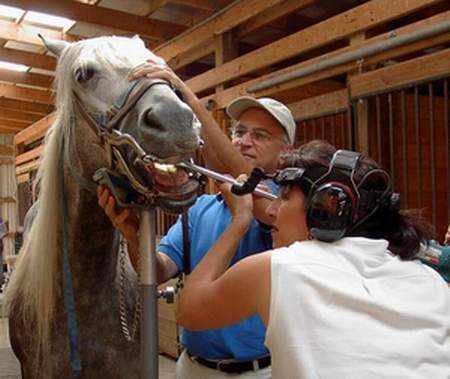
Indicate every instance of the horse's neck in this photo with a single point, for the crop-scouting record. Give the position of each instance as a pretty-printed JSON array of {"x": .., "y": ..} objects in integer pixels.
[{"x": 92, "y": 242}]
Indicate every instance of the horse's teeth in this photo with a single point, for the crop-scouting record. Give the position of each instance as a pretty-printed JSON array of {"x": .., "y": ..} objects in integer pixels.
[{"x": 170, "y": 168}]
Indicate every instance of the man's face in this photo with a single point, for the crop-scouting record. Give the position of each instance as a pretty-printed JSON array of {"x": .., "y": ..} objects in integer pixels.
[{"x": 259, "y": 138}]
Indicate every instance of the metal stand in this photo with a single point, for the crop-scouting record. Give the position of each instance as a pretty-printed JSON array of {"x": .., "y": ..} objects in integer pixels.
[{"x": 148, "y": 288}]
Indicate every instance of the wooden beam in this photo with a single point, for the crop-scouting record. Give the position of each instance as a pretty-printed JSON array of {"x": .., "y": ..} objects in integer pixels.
[
  {"x": 8, "y": 131},
  {"x": 41, "y": 61},
  {"x": 29, "y": 34},
  {"x": 227, "y": 19},
  {"x": 358, "y": 19},
  {"x": 272, "y": 14},
  {"x": 154, "y": 5},
  {"x": 6, "y": 150},
  {"x": 13, "y": 125},
  {"x": 6, "y": 200},
  {"x": 203, "y": 50},
  {"x": 387, "y": 79},
  {"x": 28, "y": 78},
  {"x": 319, "y": 106},
  {"x": 101, "y": 16},
  {"x": 10, "y": 114},
  {"x": 226, "y": 50},
  {"x": 226, "y": 96},
  {"x": 15, "y": 92},
  {"x": 23, "y": 178},
  {"x": 207, "y": 5},
  {"x": 5, "y": 162},
  {"x": 27, "y": 167},
  {"x": 35, "y": 131},
  {"x": 29, "y": 155},
  {"x": 26, "y": 106}
]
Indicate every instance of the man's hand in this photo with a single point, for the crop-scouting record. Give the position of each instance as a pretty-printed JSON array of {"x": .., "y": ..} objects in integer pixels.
[
  {"x": 123, "y": 220},
  {"x": 241, "y": 207}
]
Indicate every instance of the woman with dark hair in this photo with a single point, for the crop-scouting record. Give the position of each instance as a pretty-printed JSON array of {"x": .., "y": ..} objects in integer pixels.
[{"x": 340, "y": 294}]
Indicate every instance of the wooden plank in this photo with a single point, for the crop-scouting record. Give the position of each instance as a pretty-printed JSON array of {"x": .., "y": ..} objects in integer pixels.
[
  {"x": 23, "y": 178},
  {"x": 26, "y": 78},
  {"x": 207, "y": 5},
  {"x": 168, "y": 346},
  {"x": 15, "y": 92},
  {"x": 29, "y": 34},
  {"x": 29, "y": 155},
  {"x": 222, "y": 21},
  {"x": 355, "y": 20},
  {"x": 27, "y": 167},
  {"x": 6, "y": 162},
  {"x": 226, "y": 96},
  {"x": 13, "y": 124},
  {"x": 6, "y": 150},
  {"x": 8, "y": 131},
  {"x": 154, "y": 5},
  {"x": 396, "y": 76},
  {"x": 26, "y": 106},
  {"x": 265, "y": 17},
  {"x": 272, "y": 14},
  {"x": 45, "y": 62},
  {"x": 101, "y": 16},
  {"x": 7, "y": 200},
  {"x": 10, "y": 114},
  {"x": 35, "y": 131},
  {"x": 330, "y": 103}
]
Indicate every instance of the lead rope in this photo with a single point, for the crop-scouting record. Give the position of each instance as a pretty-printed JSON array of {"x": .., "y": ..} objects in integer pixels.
[{"x": 128, "y": 332}]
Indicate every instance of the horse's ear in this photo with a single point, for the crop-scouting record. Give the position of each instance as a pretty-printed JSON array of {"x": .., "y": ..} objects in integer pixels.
[{"x": 53, "y": 45}]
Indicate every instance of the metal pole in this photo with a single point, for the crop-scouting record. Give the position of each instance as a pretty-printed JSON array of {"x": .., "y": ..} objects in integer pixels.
[
  {"x": 148, "y": 288},
  {"x": 393, "y": 41}
]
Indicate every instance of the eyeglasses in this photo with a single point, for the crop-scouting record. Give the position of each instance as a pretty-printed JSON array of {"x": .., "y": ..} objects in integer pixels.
[{"x": 257, "y": 135}]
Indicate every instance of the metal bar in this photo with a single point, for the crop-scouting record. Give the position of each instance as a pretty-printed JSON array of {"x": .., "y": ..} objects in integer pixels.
[
  {"x": 223, "y": 178},
  {"x": 148, "y": 287},
  {"x": 343, "y": 129},
  {"x": 432, "y": 152},
  {"x": 349, "y": 129},
  {"x": 391, "y": 139},
  {"x": 333, "y": 131},
  {"x": 418, "y": 146},
  {"x": 405, "y": 148},
  {"x": 322, "y": 127},
  {"x": 447, "y": 142},
  {"x": 378, "y": 105},
  {"x": 353, "y": 56}
]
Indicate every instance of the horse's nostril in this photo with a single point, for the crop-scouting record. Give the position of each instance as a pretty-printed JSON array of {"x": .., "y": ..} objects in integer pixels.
[{"x": 153, "y": 120}]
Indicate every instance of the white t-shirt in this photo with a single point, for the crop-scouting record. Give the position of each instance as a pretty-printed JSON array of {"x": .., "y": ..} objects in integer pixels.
[{"x": 351, "y": 309}]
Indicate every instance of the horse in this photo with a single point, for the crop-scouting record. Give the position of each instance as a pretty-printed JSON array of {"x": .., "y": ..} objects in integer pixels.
[{"x": 91, "y": 75}]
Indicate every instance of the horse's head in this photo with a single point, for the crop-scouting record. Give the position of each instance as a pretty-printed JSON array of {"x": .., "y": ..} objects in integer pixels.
[{"x": 92, "y": 82}]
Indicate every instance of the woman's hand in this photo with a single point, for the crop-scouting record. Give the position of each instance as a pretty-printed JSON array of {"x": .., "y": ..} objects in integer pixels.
[
  {"x": 154, "y": 70},
  {"x": 241, "y": 207},
  {"x": 123, "y": 220}
]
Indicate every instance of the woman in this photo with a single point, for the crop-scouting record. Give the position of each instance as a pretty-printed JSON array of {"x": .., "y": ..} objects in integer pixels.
[{"x": 353, "y": 307}]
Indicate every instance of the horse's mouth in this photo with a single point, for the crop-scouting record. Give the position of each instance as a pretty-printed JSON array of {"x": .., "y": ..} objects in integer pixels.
[{"x": 176, "y": 189}]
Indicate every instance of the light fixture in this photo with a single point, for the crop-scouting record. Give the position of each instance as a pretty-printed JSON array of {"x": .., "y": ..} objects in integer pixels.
[
  {"x": 13, "y": 66},
  {"x": 48, "y": 20},
  {"x": 11, "y": 12}
]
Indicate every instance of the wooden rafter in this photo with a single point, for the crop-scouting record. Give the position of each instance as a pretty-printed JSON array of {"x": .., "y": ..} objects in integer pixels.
[
  {"x": 207, "y": 5},
  {"x": 340, "y": 26},
  {"x": 26, "y": 78},
  {"x": 9, "y": 114},
  {"x": 13, "y": 124},
  {"x": 102, "y": 16},
  {"x": 221, "y": 22},
  {"x": 41, "y": 61},
  {"x": 26, "y": 106},
  {"x": 35, "y": 131},
  {"x": 15, "y": 92}
]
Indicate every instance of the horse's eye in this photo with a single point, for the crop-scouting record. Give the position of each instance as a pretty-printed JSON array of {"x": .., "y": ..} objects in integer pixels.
[
  {"x": 82, "y": 75},
  {"x": 179, "y": 94}
]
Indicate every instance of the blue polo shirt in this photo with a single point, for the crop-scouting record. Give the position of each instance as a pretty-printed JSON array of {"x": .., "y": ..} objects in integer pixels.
[{"x": 208, "y": 219}]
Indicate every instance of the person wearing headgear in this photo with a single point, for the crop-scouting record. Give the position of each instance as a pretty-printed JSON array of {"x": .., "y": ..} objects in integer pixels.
[
  {"x": 262, "y": 130},
  {"x": 341, "y": 294}
]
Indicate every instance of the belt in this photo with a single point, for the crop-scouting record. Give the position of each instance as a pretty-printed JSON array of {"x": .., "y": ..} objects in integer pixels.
[{"x": 231, "y": 366}]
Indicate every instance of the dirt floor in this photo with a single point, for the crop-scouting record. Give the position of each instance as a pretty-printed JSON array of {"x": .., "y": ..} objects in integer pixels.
[{"x": 9, "y": 366}]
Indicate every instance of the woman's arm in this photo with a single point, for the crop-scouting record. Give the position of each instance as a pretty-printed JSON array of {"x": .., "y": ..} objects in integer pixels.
[{"x": 214, "y": 296}]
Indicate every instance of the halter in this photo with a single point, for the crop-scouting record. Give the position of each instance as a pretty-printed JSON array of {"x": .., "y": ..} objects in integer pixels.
[{"x": 107, "y": 127}]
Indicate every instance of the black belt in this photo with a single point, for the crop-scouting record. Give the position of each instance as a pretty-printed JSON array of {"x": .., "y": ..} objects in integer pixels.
[{"x": 232, "y": 366}]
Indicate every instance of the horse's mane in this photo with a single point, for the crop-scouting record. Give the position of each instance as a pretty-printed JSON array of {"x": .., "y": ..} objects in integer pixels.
[{"x": 33, "y": 280}]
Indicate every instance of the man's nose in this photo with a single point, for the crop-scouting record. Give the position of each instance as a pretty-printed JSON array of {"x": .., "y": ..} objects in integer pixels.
[{"x": 246, "y": 139}]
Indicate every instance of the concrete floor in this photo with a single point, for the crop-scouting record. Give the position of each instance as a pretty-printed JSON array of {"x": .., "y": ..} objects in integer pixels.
[{"x": 9, "y": 366}]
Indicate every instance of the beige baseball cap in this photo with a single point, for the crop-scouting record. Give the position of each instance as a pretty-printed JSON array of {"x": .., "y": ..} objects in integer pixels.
[{"x": 278, "y": 110}]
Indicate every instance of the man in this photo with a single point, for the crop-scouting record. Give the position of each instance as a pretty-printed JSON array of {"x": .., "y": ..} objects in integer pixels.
[{"x": 262, "y": 130}]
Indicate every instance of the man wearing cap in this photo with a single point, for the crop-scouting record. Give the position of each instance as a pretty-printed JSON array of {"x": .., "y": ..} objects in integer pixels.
[{"x": 262, "y": 129}]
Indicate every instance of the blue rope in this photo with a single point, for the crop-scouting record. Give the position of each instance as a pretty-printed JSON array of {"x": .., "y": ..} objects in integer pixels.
[{"x": 69, "y": 296}]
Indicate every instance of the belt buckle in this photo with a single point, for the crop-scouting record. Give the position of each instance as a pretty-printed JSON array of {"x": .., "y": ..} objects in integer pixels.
[{"x": 255, "y": 365}]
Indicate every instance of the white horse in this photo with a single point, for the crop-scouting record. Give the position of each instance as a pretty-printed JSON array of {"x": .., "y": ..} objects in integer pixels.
[{"x": 91, "y": 75}]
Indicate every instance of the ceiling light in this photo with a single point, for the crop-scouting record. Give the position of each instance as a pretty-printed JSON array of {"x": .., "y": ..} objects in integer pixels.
[
  {"x": 11, "y": 12},
  {"x": 13, "y": 66},
  {"x": 48, "y": 20}
]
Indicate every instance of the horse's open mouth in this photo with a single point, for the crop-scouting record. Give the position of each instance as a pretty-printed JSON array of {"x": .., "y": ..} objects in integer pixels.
[{"x": 176, "y": 188}]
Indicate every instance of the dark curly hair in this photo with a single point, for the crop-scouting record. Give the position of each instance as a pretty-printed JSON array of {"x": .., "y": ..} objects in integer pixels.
[{"x": 404, "y": 230}]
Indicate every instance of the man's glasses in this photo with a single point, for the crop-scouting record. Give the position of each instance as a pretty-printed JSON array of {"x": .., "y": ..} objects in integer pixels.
[{"x": 257, "y": 135}]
